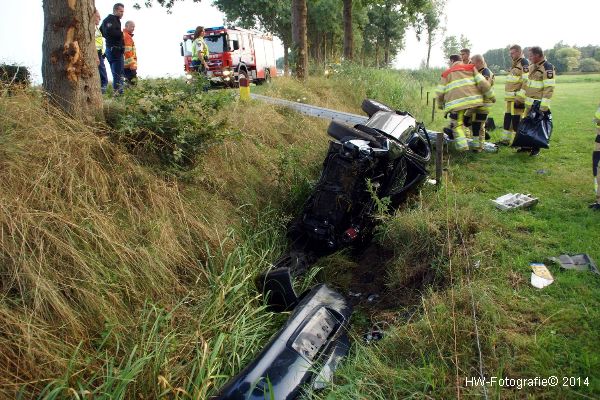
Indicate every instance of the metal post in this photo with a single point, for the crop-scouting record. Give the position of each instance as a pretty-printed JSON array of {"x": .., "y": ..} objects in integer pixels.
[
  {"x": 427, "y": 98},
  {"x": 421, "y": 92},
  {"x": 433, "y": 109},
  {"x": 439, "y": 147}
]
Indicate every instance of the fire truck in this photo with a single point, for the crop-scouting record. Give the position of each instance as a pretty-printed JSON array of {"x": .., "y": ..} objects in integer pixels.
[{"x": 234, "y": 53}]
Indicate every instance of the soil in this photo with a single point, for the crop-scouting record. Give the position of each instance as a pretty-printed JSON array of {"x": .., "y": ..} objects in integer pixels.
[{"x": 374, "y": 303}]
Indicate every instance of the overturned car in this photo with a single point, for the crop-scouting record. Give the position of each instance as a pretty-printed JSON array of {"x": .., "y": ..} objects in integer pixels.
[{"x": 384, "y": 158}]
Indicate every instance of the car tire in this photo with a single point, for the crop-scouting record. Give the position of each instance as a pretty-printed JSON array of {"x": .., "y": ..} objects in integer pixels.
[{"x": 370, "y": 107}]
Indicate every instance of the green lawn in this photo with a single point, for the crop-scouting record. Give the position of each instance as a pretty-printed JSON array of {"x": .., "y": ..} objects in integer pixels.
[{"x": 523, "y": 332}]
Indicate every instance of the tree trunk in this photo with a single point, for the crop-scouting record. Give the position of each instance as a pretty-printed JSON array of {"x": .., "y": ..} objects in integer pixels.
[
  {"x": 286, "y": 59},
  {"x": 69, "y": 68},
  {"x": 386, "y": 52},
  {"x": 429, "y": 44},
  {"x": 299, "y": 37},
  {"x": 348, "y": 34}
]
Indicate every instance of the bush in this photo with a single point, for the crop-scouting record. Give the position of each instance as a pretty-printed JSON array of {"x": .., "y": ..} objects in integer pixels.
[
  {"x": 170, "y": 119},
  {"x": 589, "y": 65}
]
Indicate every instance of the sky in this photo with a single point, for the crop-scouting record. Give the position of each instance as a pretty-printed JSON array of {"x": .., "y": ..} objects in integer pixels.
[{"x": 487, "y": 25}]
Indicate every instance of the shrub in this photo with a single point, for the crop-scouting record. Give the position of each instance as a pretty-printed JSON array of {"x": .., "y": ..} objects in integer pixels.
[{"x": 170, "y": 119}]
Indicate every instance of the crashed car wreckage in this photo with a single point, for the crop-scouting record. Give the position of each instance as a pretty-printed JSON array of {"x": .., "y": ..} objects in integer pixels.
[{"x": 386, "y": 157}]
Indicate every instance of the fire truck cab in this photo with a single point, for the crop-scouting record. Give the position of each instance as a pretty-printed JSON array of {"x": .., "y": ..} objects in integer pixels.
[{"x": 234, "y": 53}]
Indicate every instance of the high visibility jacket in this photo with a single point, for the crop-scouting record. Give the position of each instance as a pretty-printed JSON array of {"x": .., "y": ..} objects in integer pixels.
[
  {"x": 130, "y": 53},
  {"x": 199, "y": 45},
  {"x": 597, "y": 117},
  {"x": 99, "y": 40},
  {"x": 539, "y": 85},
  {"x": 518, "y": 74},
  {"x": 462, "y": 87},
  {"x": 489, "y": 76}
]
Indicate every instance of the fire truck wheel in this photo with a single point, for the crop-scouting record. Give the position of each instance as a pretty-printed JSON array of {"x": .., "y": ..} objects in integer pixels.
[
  {"x": 370, "y": 107},
  {"x": 266, "y": 79}
]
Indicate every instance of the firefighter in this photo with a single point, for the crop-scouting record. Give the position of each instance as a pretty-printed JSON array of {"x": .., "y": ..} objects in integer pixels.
[
  {"x": 514, "y": 81},
  {"x": 130, "y": 53},
  {"x": 539, "y": 86},
  {"x": 479, "y": 115},
  {"x": 460, "y": 89},
  {"x": 465, "y": 56},
  {"x": 111, "y": 30},
  {"x": 100, "y": 50},
  {"x": 595, "y": 161},
  {"x": 199, "y": 51}
]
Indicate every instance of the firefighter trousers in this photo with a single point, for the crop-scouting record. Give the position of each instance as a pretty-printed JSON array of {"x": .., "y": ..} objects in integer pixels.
[
  {"x": 478, "y": 117},
  {"x": 457, "y": 126},
  {"x": 512, "y": 117}
]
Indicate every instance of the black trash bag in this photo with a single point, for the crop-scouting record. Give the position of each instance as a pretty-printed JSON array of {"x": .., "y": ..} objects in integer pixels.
[{"x": 535, "y": 129}]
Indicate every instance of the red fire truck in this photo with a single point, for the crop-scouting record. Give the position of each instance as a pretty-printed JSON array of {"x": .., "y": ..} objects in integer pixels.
[{"x": 233, "y": 53}]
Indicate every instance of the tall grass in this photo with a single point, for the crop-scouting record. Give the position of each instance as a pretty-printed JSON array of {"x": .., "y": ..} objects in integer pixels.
[{"x": 118, "y": 282}]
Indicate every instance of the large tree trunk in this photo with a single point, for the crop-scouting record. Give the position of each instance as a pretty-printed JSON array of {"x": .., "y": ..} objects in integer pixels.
[
  {"x": 69, "y": 67},
  {"x": 286, "y": 59},
  {"x": 348, "y": 34},
  {"x": 299, "y": 37}
]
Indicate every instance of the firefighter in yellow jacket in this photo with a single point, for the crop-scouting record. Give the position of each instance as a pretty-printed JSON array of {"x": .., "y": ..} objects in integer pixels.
[
  {"x": 479, "y": 115},
  {"x": 461, "y": 88},
  {"x": 517, "y": 75},
  {"x": 130, "y": 53},
  {"x": 596, "y": 161},
  {"x": 539, "y": 86}
]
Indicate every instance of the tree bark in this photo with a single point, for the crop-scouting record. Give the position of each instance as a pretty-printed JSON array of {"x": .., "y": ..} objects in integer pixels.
[
  {"x": 286, "y": 59},
  {"x": 299, "y": 37},
  {"x": 429, "y": 44},
  {"x": 69, "y": 67},
  {"x": 348, "y": 33}
]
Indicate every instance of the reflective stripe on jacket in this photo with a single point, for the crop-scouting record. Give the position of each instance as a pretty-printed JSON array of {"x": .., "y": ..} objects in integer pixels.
[
  {"x": 130, "y": 54},
  {"x": 539, "y": 85},
  {"x": 462, "y": 87},
  {"x": 199, "y": 45},
  {"x": 516, "y": 76},
  {"x": 597, "y": 117},
  {"x": 99, "y": 40}
]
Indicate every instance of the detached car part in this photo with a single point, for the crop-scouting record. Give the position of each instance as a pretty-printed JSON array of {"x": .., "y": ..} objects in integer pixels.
[{"x": 304, "y": 352}]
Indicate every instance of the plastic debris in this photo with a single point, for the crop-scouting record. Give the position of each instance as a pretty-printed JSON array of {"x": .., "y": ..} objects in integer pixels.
[
  {"x": 541, "y": 276},
  {"x": 373, "y": 335},
  {"x": 511, "y": 201},
  {"x": 352, "y": 294},
  {"x": 541, "y": 171},
  {"x": 372, "y": 297},
  {"x": 577, "y": 262}
]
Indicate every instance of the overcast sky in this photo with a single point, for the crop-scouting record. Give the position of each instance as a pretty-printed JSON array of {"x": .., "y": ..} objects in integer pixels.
[{"x": 487, "y": 24}]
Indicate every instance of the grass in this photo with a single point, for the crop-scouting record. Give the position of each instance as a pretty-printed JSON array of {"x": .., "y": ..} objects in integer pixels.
[{"x": 120, "y": 281}]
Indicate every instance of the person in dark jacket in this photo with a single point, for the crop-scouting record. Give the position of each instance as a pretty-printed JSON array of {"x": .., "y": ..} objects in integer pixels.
[{"x": 115, "y": 45}]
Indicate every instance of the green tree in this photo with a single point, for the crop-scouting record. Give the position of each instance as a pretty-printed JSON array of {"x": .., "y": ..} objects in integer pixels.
[
  {"x": 589, "y": 65},
  {"x": 498, "y": 59},
  {"x": 464, "y": 43},
  {"x": 569, "y": 58},
  {"x": 450, "y": 46},
  {"x": 429, "y": 21}
]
